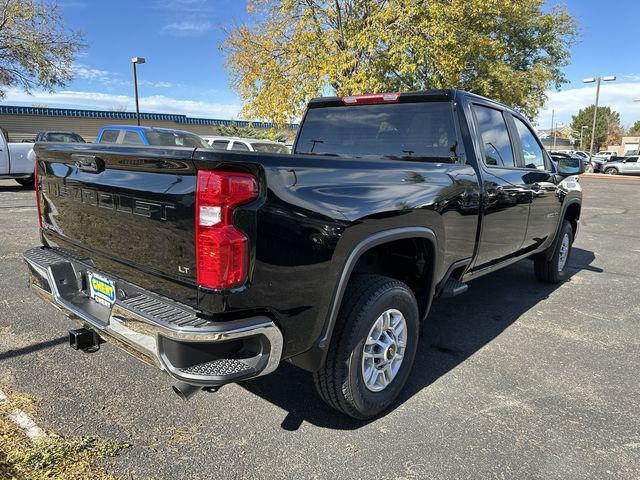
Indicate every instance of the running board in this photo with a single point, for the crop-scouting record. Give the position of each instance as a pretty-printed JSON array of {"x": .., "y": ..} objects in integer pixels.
[{"x": 453, "y": 288}]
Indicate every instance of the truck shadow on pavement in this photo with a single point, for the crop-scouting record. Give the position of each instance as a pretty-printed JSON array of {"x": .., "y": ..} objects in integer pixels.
[
  {"x": 455, "y": 329},
  {"x": 15, "y": 188},
  {"x": 33, "y": 348}
]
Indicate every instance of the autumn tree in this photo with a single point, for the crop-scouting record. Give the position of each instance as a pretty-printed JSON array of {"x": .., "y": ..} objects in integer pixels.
[
  {"x": 634, "y": 130},
  {"x": 36, "y": 50},
  {"x": 608, "y": 128},
  {"x": 293, "y": 50}
]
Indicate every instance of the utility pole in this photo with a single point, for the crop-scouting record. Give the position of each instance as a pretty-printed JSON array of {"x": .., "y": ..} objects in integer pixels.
[
  {"x": 552, "y": 113},
  {"x": 595, "y": 111},
  {"x": 556, "y": 134}
]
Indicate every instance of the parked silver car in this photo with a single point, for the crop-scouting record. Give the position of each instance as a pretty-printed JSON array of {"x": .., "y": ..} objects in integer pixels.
[{"x": 624, "y": 166}]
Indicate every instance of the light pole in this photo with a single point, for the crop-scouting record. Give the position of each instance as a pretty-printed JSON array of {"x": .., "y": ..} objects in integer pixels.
[
  {"x": 581, "y": 133},
  {"x": 555, "y": 135},
  {"x": 597, "y": 80},
  {"x": 135, "y": 61}
]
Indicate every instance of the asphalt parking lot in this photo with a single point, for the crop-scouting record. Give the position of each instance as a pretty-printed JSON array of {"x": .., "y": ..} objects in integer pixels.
[{"x": 515, "y": 379}]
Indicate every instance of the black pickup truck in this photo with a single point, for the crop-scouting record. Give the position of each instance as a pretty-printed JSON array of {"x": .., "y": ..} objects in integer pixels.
[{"x": 216, "y": 266}]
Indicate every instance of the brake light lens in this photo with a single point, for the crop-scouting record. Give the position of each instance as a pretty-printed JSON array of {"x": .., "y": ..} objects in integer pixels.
[
  {"x": 372, "y": 98},
  {"x": 36, "y": 186},
  {"x": 222, "y": 251}
]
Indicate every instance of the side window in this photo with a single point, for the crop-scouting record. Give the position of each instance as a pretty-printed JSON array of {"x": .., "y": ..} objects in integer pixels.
[
  {"x": 220, "y": 144},
  {"x": 632, "y": 159},
  {"x": 109, "y": 136},
  {"x": 531, "y": 151},
  {"x": 495, "y": 137},
  {"x": 239, "y": 146},
  {"x": 132, "y": 138}
]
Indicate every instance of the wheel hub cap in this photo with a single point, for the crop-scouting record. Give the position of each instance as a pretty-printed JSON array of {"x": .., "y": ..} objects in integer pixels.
[
  {"x": 564, "y": 252},
  {"x": 384, "y": 349}
]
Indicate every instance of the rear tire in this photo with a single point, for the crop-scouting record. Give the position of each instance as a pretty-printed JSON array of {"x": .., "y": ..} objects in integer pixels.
[
  {"x": 370, "y": 302},
  {"x": 611, "y": 171},
  {"x": 25, "y": 182},
  {"x": 554, "y": 269}
]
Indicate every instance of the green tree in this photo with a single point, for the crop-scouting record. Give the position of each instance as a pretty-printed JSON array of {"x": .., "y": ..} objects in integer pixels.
[
  {"x": 294, "y": 50},
  {"x": 35, "y": 48},
  {"x": 635, "y": 129},
  {"x": 608, "y": 128}
]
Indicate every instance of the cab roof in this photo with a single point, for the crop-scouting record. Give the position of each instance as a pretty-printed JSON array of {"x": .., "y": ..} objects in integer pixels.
[{"x": 141, "y": 128}]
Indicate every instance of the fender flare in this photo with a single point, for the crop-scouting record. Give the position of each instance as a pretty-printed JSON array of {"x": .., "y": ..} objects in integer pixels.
[
  {"x": 548, "y": 253},
  {"x": 315, "y": 357}
]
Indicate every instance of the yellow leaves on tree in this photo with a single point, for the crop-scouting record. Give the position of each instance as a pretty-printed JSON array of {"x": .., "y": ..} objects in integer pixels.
[{"x": 294, "y": 50}]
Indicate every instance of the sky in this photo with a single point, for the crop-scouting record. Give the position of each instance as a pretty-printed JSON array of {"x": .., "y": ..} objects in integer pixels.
[{"x": 184, "y": 72}]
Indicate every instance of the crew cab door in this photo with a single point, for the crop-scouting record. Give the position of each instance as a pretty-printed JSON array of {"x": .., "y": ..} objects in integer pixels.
[
  {"x": 540, "y": 178},
  {"x": 506, "y": 197}
]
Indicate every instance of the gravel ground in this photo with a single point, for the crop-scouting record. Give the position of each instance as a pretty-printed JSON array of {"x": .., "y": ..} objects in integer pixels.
[{"x": 514, "y": 379}]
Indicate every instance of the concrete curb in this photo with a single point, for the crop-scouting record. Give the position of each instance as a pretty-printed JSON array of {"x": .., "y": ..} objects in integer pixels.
[{"x": 24, "y": 421}]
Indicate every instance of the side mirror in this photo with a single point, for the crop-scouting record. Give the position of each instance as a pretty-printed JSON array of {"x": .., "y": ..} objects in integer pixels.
[{"x": 570, "y": 166}]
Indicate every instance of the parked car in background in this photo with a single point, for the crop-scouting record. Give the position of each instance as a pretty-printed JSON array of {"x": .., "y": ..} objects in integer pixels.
[
  {"x": 599, "y": 159},
  {"x": 584, "y": 156},
  {"x": 150, "y": 136},
  {"x": 246, "y": 144},
  {"x": 61, "y": 137},
  {"x": 576, "y": 153},
  {"x": 623, "y": 166},
  {"x": 606, "y": 154},
  {"x": 17, "y": 161}
]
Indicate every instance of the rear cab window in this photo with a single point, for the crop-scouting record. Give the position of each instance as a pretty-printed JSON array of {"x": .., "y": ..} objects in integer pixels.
[
  {"x": 220, "y": 144},
  {"x": 132, "y": 138},
  {"x": 109, "y": 136},
  {"x": 239, "y": 146},
  {"x": 63, "y": 138},
  {"x": 421, "y": 131},
  {"x": 168, "y": 138}
]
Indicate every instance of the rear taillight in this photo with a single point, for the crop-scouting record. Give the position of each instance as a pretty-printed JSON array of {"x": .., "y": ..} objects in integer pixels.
[
  {"x": 222, "y": 251},
  {"x": 36, "y": 186},
  {"x": 372, "y": 98}
]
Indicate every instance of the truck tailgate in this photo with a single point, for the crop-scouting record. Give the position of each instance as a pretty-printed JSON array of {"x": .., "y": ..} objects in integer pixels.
[{"x": 128, "y": 210}]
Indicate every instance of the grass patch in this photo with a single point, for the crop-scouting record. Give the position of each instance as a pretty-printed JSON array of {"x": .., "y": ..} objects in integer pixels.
[{"x": 51, "y": 457}]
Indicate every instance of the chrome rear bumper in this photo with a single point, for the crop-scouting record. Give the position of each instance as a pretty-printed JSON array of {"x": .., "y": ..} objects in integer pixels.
[{"x": 155, "y": 329}]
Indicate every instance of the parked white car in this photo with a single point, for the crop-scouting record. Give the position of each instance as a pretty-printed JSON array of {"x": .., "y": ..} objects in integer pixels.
[
  {"x": 626, "y": 165},
  {"x": 600, "y": 159},
  {"x": 576, "y": 153},
  {"x": 245, "y": 144},
  {"x": 17, "y": 161}
]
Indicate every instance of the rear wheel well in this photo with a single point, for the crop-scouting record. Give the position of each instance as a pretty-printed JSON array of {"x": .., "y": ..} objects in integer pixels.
[
  {"x": 573, "y": 215},
  {"x": 408, "y": 260}
]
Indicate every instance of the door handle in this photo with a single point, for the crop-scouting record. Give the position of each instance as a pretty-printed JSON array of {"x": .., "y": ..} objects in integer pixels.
[{"x": 539, "y": 189}]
